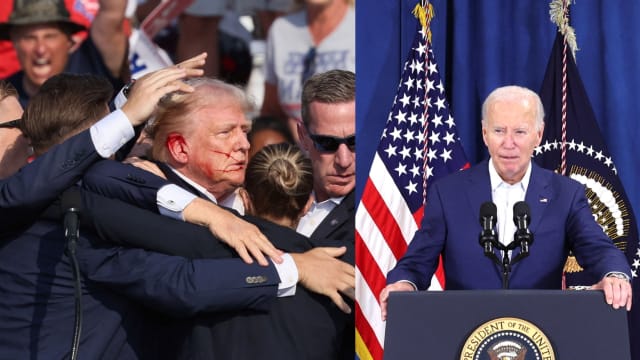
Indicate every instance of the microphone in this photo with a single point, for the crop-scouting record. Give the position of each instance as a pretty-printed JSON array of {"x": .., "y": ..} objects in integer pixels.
[
  {"x": 71, "y": 204},
  {"x": 488, "y": 218},
  {"x": 522, "y": 218}
]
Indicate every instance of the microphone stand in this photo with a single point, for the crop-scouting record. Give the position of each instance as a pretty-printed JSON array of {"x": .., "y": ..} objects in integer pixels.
[{"x": 506, "y": 263}]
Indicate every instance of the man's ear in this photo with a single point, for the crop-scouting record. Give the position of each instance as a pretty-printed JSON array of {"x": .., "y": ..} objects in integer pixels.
[
  {"x": 303, "y": 137},
  {"x": 178, "y": 148}
]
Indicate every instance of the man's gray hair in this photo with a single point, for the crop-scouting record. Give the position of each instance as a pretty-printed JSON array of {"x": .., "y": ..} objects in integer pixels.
[{"x": 514, "y": 92}]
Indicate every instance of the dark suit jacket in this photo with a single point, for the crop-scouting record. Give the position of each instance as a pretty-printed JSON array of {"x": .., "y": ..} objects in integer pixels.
[
  {"x": 315, "y": 323},
  {"x": 561, "y": 220},
  {"x": 37, "y": 305},
  {"x": 37, "y": 308},
  {"x": 25, "y": 194},
  {"x": 338, "y": 229}
]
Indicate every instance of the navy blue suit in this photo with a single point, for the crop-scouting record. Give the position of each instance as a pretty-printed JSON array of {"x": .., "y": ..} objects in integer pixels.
[
  {"x": 37, "y": 303},
  {"x": 28, "y": 192},
  {"x": 319, "y": 329},
  {"x": 561, "y": 220}
]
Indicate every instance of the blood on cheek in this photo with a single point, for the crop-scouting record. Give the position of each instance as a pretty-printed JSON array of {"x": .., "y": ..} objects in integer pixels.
[{"x": 227, "y": 155}]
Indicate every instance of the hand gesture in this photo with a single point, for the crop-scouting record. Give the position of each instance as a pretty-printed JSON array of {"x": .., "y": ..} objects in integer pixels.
[
  {"x": 145, "y": 93},
  {"x": 320, "y": 272}
]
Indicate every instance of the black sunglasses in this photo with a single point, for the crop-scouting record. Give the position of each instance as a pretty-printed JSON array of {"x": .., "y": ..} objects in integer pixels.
[
  {"x": 13, "y": 124},
  {"x": 327, "y": 143}
]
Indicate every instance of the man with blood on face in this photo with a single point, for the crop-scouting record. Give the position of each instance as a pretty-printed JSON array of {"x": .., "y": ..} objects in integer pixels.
[{"x": 203, "y": 138}]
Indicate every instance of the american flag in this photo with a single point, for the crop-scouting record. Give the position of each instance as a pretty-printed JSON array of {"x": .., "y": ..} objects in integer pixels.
[
  {"x": 587, "y": 160},
  {"x": 418, "y": 146}
]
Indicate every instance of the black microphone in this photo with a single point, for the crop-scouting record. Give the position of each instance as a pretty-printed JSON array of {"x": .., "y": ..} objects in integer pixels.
[
  {"x": 488, "y": 219},
  {"x": 522, "y": 218},
  {"x": 71, "y": 202}
]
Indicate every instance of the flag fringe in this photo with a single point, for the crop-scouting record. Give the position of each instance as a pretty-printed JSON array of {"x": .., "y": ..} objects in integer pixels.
[
  {"x": 424, "y": 13},
  {"x": 558, "y": 13}
]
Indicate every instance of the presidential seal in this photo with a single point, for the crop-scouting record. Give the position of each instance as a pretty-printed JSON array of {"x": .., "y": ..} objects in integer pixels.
[{"x": 507, "y": 338}]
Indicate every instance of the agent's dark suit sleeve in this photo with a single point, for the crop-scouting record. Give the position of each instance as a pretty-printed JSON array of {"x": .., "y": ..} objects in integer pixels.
[
  {"x": 125, "y": 182},
  {"x": 117, "y": 222},
  {"x": 25, "y": 194},
  {"x": 139, "y": 187},
  {"x": 176, "y": 285}
]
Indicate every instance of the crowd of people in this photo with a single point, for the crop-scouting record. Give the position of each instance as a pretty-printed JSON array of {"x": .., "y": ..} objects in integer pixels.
[
  {"x": 194, "y": 238},
  {"x": 153, "y": 218}
]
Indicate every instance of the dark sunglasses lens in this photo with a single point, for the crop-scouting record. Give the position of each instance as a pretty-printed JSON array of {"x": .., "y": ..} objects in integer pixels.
[
  {"x": 13, "y": 124},
  {"x": 331, "y": 144},
  {"x": 326, "y": 143},
  {"x": 351, "y": 142}
]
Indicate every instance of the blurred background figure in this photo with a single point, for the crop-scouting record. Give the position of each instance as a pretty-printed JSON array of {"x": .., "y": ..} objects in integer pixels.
[
  {"x": 14, "y": 148},
  {"x": 318, "y": 37},
  {"x": 267, "y": 130},
  {"x": 43, "y": 35}
]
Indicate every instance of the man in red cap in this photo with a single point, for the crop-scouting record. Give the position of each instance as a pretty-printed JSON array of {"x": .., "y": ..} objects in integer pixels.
[{"x": 41, "y": 32}]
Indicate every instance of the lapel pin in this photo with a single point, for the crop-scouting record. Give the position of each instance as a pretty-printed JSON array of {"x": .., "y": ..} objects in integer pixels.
[{"x": 544, "y": 200}]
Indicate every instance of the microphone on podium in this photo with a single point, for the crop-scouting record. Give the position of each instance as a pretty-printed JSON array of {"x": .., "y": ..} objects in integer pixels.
[
  {"x": 488, "y": 219},
  {"x": 522, "y": 219}
]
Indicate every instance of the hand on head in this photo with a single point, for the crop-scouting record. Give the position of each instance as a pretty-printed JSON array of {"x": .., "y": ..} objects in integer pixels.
[{"x": 149, "y": 89}]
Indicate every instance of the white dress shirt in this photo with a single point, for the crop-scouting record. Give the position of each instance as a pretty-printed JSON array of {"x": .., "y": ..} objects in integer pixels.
[
  {"x": 504, "y": 196},
  {"x": 316, "y": 214}
]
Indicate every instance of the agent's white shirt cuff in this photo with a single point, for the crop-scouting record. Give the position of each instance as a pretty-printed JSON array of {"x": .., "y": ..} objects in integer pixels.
[
  {"x": 172, "y": 200},
  {"x": 288, "y": 273},
  {"x": 111, "y": 133},
  {"x": 120, "y": 99}
]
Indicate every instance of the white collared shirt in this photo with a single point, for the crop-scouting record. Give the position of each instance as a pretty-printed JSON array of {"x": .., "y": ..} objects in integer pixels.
[
  {"x": 504, "y": 196},
  {"x": 316, "y": 214}
]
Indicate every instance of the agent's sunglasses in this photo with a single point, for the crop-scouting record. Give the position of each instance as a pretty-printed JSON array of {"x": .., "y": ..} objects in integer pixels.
[
  {"x": 327, "y": 143},
  {"x": 13, "y": 124}
]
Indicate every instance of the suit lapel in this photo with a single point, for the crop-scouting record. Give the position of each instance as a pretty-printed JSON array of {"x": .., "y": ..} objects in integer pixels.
[
  {"x": 539, "y": 195},
  {"x": 173, "y": 178},
  {"x": 338, "y": 216}
]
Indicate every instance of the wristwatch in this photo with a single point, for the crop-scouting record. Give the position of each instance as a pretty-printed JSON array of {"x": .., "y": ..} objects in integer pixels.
[
  {"x": 127, "y": 88},
  {"x": 618, "y": 275}
]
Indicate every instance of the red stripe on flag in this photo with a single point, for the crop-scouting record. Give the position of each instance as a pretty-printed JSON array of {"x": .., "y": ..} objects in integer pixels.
[
  {"x": 367, "y": 334},
  {"x": 371, "y": 272},
  {"x": 384, "y": 219}
]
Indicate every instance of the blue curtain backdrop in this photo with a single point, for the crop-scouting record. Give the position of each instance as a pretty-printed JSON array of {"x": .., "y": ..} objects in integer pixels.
[{"x": 480, "y": 45}]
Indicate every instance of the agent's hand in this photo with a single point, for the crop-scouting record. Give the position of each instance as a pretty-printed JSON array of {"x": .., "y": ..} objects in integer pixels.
[
  {"x": 320, "y": 272},
  {"x": 145, "y": 93},
  {"x": 617, "y": 292},
  {"x": 384, "y": 295},
  {"x": 245, "y": 238}
]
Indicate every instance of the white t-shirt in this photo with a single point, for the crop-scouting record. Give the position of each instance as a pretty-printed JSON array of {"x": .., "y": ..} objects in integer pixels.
[{"x": 288, "y": 43}]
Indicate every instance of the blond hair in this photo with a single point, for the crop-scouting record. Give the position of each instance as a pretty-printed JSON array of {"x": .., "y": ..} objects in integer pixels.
[{"x": 279, "y": 181}]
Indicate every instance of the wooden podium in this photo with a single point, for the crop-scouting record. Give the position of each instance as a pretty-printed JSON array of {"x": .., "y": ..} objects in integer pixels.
[{"x": 504, "y": 324}]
